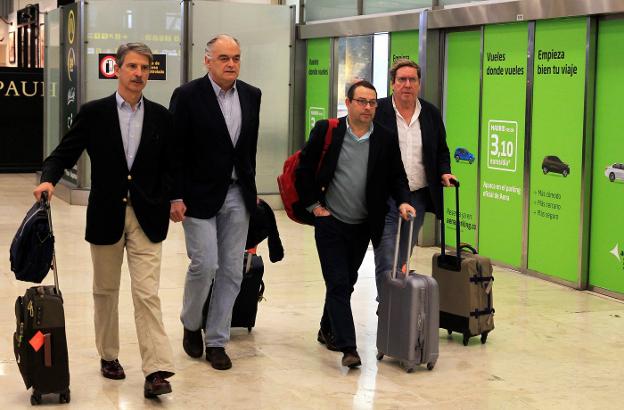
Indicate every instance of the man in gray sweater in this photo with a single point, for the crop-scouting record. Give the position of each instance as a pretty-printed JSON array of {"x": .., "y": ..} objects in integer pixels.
[{"x": 348, "y": 196}]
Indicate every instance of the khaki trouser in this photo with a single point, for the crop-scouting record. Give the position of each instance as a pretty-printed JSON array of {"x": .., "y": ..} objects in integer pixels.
[{"x": 144, "y": 265}]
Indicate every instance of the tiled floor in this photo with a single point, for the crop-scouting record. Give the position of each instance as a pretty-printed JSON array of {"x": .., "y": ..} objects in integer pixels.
[{"x": 553, "y": 347}]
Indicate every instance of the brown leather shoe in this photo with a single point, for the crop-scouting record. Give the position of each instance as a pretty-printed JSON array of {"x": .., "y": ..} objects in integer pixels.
[
  {"x": 351, "y": 359},
  {"x": 112, "y": 369},
  {"x": 155, "y": 385},
  {"x": 218, "y": 358},
  {"x": 326, "y": 339},
  {"x": 193, "y": 343}
]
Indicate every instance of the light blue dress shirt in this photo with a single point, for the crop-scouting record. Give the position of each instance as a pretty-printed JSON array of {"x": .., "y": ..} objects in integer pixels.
[
  {"x": 231, "y": 110},
  {"x": 131, "y": 126}
]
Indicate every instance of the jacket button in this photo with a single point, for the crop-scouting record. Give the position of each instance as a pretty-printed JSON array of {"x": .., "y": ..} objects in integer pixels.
[
  {"x": 125, "y": 200},
  {"x": 322, "y": 189},
  {"x": 129, "y": 177}
]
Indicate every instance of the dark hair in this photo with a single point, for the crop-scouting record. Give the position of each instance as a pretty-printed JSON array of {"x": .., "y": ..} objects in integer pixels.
[
  {"x": 361, "y": 83},
  {"x": 138, "y": 48},
  {"x": 402, "y": 62}
]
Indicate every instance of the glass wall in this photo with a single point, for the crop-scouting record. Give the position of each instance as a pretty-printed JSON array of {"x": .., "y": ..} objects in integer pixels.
[
  {"x": 52, "y": 79},
  {"x": 157, "y": 23},
  {"x": 329, "y": 9},
  {"x": 383, "y": 6},
  {"x": 355, "y": 62}
]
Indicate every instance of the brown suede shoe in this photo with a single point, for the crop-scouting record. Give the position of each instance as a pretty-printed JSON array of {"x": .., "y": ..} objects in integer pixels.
[
  {"x": 155, "y": 385},
  {"x": 112, "y": 369},
  {"x": 351, "y": 359},
  {"x": 326, "y": 339},
  {"x": 218, "y": 358},
  {"x": 193, "y": 343}
]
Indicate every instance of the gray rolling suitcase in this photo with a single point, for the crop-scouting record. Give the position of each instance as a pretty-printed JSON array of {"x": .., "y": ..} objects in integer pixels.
[
  {"x": 465, "y": 280},
  {"x": 407, "y": 327}
]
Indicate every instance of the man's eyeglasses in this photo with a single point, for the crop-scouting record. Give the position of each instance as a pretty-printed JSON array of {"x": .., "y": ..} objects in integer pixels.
[
  {"x": 403, "y": 80},
  {"x": 363, "y": 102}
]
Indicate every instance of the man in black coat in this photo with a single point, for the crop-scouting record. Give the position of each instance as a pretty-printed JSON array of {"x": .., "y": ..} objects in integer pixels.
[
  {"x": 424, "y": 152},
  {"x": 348, "y": 197},
  {"x": 216, "y": 120},
  {"x": 128, "y": 140}
]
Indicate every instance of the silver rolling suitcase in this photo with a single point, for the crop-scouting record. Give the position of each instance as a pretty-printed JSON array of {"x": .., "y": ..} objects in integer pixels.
[{"x": 409, "y": 311}]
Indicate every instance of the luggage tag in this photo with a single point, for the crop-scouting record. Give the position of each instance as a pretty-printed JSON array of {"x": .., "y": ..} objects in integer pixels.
[
  {"x": 37, "y": 341},
  {"x": 488, "y": 288}
]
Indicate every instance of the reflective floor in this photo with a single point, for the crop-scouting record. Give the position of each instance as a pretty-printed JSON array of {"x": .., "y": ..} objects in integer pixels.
[{"x": 553, "y": 347}]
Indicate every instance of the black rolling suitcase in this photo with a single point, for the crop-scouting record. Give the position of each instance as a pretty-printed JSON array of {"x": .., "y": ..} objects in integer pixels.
[
  {"x": 39, "y": 342},
  {"x": 251, "y": 292}
]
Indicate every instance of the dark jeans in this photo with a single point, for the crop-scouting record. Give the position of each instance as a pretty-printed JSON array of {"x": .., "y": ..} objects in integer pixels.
[{"x": 341, "y": 248}]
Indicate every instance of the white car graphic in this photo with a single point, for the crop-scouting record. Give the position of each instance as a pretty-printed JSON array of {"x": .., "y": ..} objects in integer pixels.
[{"x": 615, "y": 171}]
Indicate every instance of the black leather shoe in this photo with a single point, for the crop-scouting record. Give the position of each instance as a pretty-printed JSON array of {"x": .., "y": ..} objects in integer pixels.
[
  {"x": 218, "y": 358},
  {"x": 192, "y": 343},
  {"x": 112, "y": 369},
  {"x": 155, "y": 385},
  {"x": 351, "y": 359},
  {"x": 326, "y": 339}
]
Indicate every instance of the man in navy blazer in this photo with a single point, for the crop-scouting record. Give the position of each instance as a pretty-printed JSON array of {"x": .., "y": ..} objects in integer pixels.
[
  {"x": 128, "y": 141},
  {"x": 216, "y": 119},
  {"x": 425, "y": 155}
]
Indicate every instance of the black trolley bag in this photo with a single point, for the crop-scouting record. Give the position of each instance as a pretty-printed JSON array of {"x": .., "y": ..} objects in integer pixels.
[
  {"x": 407, "y": 326},
  {"x": 251, "y": 293},
  {"x": 465, "y": 281},
  {"x": 39, "y": 342}
]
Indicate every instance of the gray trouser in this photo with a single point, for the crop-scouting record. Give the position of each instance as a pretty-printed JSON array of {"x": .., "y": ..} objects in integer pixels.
[{"x": 215, "y": 247}]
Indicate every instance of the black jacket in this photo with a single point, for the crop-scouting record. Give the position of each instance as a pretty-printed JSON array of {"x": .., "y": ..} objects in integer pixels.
[
  {"x": 385, "y": 175},
  {"x": 206, "y": 150},
  {"x": 96, "y": 129},
  {"x": 435, "y": 150}
]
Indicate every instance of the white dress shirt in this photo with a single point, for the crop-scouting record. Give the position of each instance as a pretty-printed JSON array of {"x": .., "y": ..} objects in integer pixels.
[{"x": 410, "y": 142}]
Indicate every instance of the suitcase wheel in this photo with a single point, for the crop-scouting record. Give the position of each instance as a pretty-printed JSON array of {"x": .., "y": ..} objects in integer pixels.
[
  {"x": 484, "y": 336},
  {"x": 466, "y": 339},
  {"x": 380, "y": 355},
  {"x": 35, "y": 399},
  {"x": 65, "y": 397},
  {"x": 409, "y": 369},
  {"x": 430, "y": 366},
  {"x": 249, "y": 329},
  {"x": 449, "y": 331}
]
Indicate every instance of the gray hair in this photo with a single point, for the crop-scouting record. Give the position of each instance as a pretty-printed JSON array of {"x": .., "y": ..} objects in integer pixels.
[
  {"x": 210, "y": 44},
  {"x": 138, "y": 48}
]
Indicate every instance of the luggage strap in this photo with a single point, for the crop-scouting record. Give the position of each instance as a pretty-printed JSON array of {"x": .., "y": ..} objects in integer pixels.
[
  {"x": 480, "y": 279},
  {"x": 477, "y": 312}
]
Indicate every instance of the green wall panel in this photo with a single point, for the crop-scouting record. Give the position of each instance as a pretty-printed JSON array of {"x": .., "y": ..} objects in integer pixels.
[
  {"x": 557, "y": 147},
  {"x": 404, "y": 44},
  {"x": 606, "y": 260},
  {"x": 461, "y": 116},
  {"x": 317, "y": 81},
  {"x": 502, "y": 142}
]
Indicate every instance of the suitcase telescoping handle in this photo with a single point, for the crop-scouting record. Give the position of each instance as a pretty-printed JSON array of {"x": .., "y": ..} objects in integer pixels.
[
  {"x": 46, "y": 204},
  {"x": 450, "y": 262},
  {"x": 397, "y": 244}
]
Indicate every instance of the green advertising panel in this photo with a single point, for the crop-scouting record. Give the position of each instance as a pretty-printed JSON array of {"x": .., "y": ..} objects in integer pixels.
[
  {"x": 404, "y": 44},
  {"x": 461, "y": 116},
  {"x": 502, "y": 142},
  {"x": 606, "y": 252},
  {"x": 557, "y": 147},
  {"x": 317, "y": 81}
]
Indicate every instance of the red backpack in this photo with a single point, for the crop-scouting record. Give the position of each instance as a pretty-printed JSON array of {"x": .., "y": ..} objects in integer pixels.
[{"x": 286, "y": 181}]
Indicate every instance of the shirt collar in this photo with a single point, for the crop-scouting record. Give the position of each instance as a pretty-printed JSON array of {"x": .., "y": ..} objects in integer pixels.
[
  {"x": 363, "y": 137},
  {"x": 121, "y": 103},
  {"x": 217, "y": 88},
  {"x": 416, "y": 109}
]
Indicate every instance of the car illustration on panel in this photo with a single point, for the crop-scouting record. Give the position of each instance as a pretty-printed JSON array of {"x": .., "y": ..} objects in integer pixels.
[
  {"x": 462, "y": 154},
  {"x": 615, "y": 171},
  {"x": 552, "y": 163}
]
